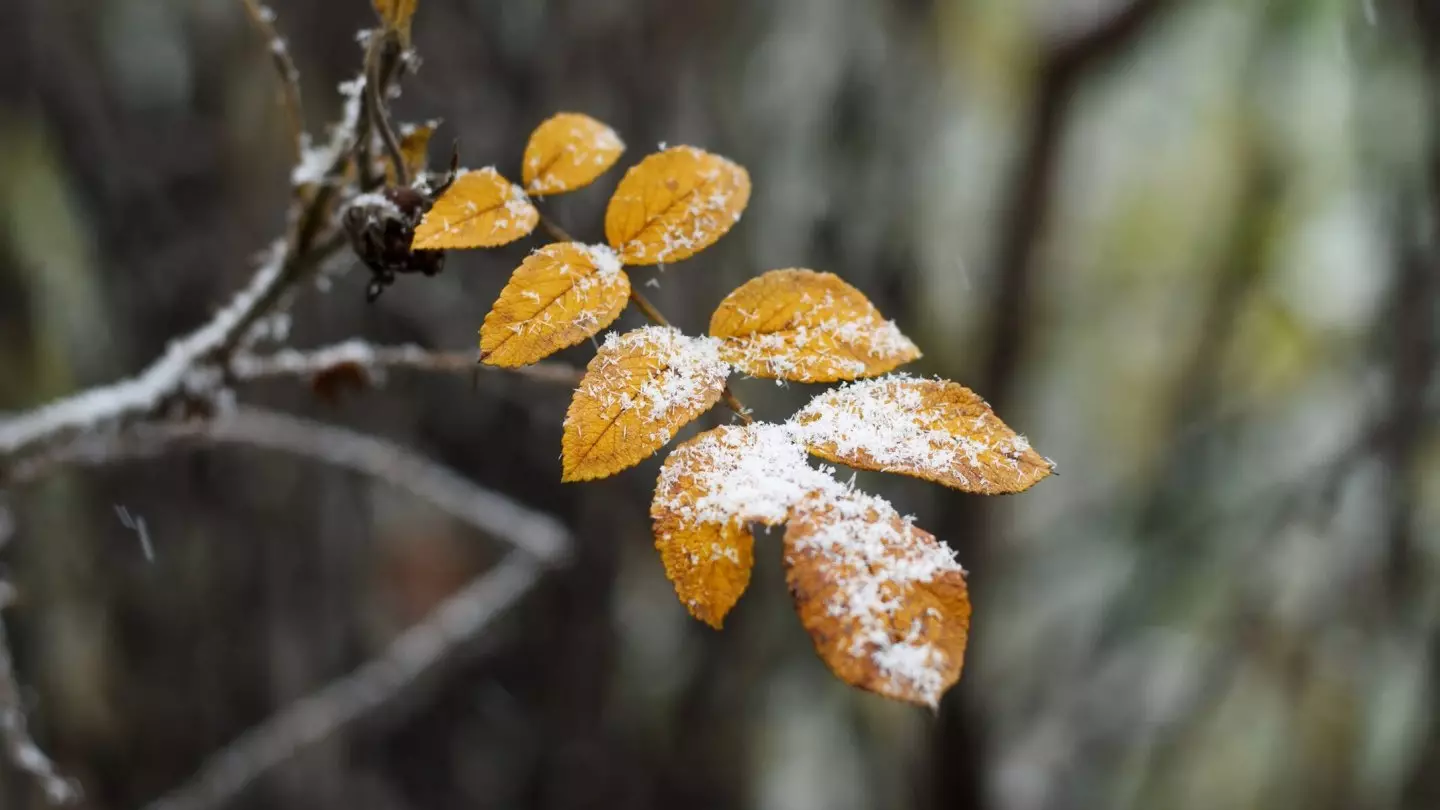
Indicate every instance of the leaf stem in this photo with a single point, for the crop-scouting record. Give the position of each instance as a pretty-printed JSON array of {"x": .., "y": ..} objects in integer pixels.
[
  {"x": 555, "y": 230},
  {"x": 654, "y": 314},
  {"x": 649, "y": 309}
]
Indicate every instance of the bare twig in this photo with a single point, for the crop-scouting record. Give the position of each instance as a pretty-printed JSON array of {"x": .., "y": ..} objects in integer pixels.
[
  {"x": 339, "y": 703},
  {"x": 381, "y": 59},
  {"x": 301, "y": 363},
  {"x": 20, "y": 747},
  {"x": 264, "y": 21}
]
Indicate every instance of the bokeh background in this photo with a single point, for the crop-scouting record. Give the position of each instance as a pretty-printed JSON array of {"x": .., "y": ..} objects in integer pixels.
[{"x": 1189, "y": 247}]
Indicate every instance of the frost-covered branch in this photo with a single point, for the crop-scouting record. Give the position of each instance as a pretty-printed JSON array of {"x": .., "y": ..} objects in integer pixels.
[
  {"x": 339, "y": 703},
  {"x": 372, "y": 359},
  {"x": 189, "y": 366},
  {"x": 20, "y": 747}
]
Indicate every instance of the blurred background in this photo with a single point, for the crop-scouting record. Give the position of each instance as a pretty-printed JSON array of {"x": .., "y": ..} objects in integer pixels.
[{"x": 1189, "y": 247}]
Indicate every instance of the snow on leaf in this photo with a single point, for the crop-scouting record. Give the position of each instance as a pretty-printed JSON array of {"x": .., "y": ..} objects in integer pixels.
[
  {"x": 560, "y": 295},
  {"x": 884, "y": 602},
  {"x": 480, "y": 209},
  {"x": 568, "y": 151},
  {"x": 637, "y": 391},
  {"x": 710, "y": 488},
  {"x": 932, "y": 429},
  {"x": 805, "y": 326},
  {"x": 674, "y": 204},
  {"x": 396, "y": 15}
]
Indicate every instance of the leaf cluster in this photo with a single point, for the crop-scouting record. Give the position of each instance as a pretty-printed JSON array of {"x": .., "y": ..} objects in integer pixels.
[{"x": 884, "y": 601}]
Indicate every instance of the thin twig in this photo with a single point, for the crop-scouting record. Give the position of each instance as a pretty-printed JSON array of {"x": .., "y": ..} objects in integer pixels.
[
  {"x": 378, "y": 67},
  {"x": 20, "y": 747},
  {"x": 648, "y": 309},
  {"x": 322, "y": 713},
  {"x": 264, "y": 20},
  {"x": 303, "y": 363},
  {"x": 555, "y": 230}
]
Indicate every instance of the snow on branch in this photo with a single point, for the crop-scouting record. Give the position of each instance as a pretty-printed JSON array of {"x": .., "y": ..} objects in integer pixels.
[
  {"x": 20, "y": 747},
  {"x": 374, "y": 359},
  {"x": 190, "y": 366}
]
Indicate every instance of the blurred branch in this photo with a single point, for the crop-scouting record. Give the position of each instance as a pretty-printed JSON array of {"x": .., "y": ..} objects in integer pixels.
[
  {"x": 495, "y": 514},
  {"x": 21, "y": 749},
  {"x": 339, "y": 703},
  {"x": 1066, "y": 64},
  {"x": 264, "y": 21},
  {"x": 302, "y": 363}
]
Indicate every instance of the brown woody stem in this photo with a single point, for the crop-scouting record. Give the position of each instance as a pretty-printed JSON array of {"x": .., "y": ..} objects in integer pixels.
[{"x": 376, "y": 82}]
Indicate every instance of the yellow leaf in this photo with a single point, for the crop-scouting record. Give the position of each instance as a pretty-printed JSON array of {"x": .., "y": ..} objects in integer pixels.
[
  {"x": 884, "y": 602},
  {"x": 638, "y": 390},
  {"x": 932, "y": 429},
  {"x": 396, "y": 15},
  {"x": 709, "y": 563},
  {"x": 561, "y": 294},
  {"x": 414, "y": 144},
  {"x": 674, "y": 204},
  {"x": 480, "y": 209},
  {"x": 568, "y": 151},
  {"x": 806, "y": 326},
  {"x": 709, "y": 490}
]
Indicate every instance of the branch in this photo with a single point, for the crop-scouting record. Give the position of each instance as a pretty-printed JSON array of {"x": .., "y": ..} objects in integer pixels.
[
  {"x": 540, "y": 535},
  {"x": 304, "y": 363},
  {"x": 1066, "y": 64},
  {"x": 21, "y": 749},
  {"x": 264, "y": 21},
  {"x": 341, "y": 702}
]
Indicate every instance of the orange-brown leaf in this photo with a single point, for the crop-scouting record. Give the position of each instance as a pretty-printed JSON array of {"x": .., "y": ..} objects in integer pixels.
[
  {"x": 397, "y": 15},
  {"x": 674, "y": 204},
  {"x": 480, "y": 209},
  {"x": 568, "y": 151},
  {"x": 638, "y": 390},
  {"x": 932, "y": 429},
  {"x": 805, "y": 326},
  {"x": 884, "y": 602},
  {"x": 560, "y": 295}
]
